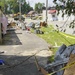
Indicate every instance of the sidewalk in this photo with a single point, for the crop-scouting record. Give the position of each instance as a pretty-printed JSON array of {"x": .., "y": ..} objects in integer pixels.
[{"x": 20, "y": 45}]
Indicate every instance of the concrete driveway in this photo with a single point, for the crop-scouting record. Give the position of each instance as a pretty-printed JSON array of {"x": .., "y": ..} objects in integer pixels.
[{"x": 18, "y": 46}]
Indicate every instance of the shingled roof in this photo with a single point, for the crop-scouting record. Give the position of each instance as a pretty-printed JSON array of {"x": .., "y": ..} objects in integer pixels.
[{"x": 52, "y": 11}]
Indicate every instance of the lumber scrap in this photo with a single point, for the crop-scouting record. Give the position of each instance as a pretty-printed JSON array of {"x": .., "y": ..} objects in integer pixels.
[{"x": 70, "y": 70}]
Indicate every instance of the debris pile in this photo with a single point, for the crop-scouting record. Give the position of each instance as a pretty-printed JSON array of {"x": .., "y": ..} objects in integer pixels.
[
  {"x": 62, "y": 57},
  {"x": 71, "y": 69}
]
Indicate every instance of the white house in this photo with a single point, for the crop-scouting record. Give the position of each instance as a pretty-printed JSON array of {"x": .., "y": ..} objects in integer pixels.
[{"x": 52, "y": 16}]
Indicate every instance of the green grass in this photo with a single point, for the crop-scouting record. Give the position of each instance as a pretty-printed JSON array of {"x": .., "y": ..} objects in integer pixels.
[{"x": 53, "y": 37}]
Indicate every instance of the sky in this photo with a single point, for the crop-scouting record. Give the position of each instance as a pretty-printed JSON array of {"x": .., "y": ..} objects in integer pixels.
[{"x": 32, "y": 2}]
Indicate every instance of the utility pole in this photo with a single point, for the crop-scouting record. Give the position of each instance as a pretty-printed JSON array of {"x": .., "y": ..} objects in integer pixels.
[
  {"x": 46, "y": 10},
  {"x": 20, "y": 9}
]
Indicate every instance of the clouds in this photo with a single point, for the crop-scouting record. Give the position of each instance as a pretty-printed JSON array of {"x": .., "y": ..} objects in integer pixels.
[{"x": 32, "y": 2}]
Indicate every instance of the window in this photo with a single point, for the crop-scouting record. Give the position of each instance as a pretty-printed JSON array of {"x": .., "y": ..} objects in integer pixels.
[{"x": 53, "y": 15}]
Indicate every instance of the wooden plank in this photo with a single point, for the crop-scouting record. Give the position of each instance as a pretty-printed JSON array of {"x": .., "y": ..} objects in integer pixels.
[
  {"x": 41, "y": 69},
  {"x": 71, "y": 70}
]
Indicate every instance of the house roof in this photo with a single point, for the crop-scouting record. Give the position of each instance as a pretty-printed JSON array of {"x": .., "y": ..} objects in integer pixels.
[
  {"x": 52, "y": 11},
  {"x": 31, "y": 12}
]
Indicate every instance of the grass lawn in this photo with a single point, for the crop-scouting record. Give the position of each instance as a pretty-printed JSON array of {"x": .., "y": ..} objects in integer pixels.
[{"x": 55, "y": 38}]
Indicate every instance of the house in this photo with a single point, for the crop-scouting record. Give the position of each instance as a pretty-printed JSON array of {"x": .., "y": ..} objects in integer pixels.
[
  {"x": 52, "y": 15},
  {"x": 32, "y": 14}
]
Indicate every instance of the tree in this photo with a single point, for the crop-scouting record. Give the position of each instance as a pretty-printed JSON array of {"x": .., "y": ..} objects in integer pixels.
[
  {"x": 26, "y": 8},
  {"x": 67, "y": 7},
  {"x": 2, "y": 3},
  {"x": 7, "y": 5},
  {"x": 12, "y": 6},
  {"x": 38, "y": 7}
]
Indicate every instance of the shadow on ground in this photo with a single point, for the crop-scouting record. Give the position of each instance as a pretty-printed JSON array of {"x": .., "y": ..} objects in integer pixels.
[
  {"x": 11, "y": 38},
  {"x": 19, "y": 65}
]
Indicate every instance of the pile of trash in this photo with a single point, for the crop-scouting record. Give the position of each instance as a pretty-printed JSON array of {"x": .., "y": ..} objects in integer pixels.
[
  {"x": 60, "y": 60},
  {"x": 36, "y": 26}
]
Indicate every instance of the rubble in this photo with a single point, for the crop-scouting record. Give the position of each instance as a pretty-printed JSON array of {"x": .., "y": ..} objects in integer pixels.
[
  {"x": 61, "y": 58},
  {"x": 70, "y": 71}
]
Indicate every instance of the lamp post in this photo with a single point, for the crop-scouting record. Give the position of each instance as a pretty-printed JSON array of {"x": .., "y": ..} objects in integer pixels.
[{"x": 46, "y": 10}]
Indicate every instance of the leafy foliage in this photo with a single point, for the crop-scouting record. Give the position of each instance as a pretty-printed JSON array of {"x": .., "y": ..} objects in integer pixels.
[
  {"x": 38, "y": 7},
  {"x": 12, "y": 6},
  {"x": 67, "y": 7}
]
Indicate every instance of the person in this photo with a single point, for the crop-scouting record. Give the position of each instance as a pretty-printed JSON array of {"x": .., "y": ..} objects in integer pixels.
[
  {"x": 1, "y": 15},
  {"x": 4, "y": 21}
]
